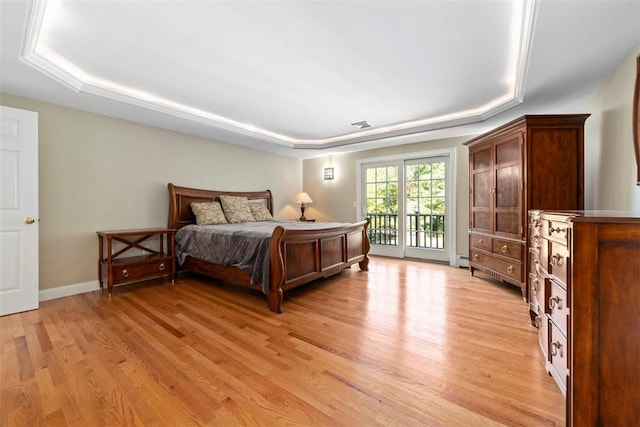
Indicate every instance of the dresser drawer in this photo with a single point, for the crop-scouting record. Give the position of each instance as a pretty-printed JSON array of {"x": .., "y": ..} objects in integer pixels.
[
  {"x": 535, "y": 287},
  {"x": 558, "y": 262},
  {"x": 480, "y": 242},
  {"x": 557, "y": 306},
  {"x": 558, "y": 356},
  {"x": 128, "y": 272},
  {"x": 508, "y": 249},
  {"x": 507, "y": 268},
  {"x": 556, "y": 230}
]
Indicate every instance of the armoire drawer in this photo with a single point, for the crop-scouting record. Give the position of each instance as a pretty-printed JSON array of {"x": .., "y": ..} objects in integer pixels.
[
  {"x": 511, "y": 269},
  {"x": 508, "y": 249},
  {"x": 480, "y": 242}
]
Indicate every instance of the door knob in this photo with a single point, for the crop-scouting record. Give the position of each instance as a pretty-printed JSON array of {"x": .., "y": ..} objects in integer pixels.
[{"x": 29, "y": 220}]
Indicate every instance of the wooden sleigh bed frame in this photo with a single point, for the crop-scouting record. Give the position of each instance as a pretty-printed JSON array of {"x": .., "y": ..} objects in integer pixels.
[{"x": 296, "y": 257}]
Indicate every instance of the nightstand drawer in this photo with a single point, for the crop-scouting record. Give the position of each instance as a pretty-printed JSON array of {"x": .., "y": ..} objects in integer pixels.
[{"x": 131, "y": 270}]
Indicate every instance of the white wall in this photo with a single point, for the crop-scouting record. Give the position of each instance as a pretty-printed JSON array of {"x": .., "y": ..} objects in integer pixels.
[
  {"x": 610, "y": 169},
  {"x": 100, "y": 173},
  {"x": 611, "y": 173},
  {"x": 334, "y": 200}
]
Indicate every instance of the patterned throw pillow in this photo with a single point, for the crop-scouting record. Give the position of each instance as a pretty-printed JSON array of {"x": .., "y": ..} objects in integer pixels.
[
  {"x": 208, "y": 213},
  {"x": 236, "y": 209},
  {"x": 260, "y": 212}
]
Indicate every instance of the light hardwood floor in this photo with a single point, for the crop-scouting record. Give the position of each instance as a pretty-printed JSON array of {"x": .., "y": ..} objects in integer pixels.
[{"x": 407, "y": 343}]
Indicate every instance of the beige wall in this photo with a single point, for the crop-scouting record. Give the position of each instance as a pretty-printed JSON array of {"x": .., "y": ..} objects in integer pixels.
[
  {"x": 99, "y": 173},
  {"x": 611, "y": 167},
  {"x": 334, "y": 200}
]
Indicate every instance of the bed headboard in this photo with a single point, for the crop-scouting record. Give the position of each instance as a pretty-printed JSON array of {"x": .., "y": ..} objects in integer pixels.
[{"x": 180, "y": 199}]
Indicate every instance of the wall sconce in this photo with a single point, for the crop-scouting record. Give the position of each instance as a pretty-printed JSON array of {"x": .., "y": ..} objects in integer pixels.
[{"x": 328, "y": 173}]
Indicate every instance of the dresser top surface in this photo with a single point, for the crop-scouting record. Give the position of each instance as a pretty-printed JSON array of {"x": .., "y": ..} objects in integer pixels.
[{"x": 594, "y": 215}]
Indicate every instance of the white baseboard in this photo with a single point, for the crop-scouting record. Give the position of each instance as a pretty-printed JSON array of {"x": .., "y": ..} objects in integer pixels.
[
  {"x": 68, "y": 290},
  {"x": 462, "y": 261}
]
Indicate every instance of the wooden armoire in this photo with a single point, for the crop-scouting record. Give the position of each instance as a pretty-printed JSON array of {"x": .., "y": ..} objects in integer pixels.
[{"x": 533, "y": 162}]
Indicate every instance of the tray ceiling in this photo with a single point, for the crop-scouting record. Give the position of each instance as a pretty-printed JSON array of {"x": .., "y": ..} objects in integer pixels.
[{"x": 285, "y": 76}]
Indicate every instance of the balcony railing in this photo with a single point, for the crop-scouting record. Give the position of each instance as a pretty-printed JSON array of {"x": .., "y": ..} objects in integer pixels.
[{"x": 423, "y": 230}]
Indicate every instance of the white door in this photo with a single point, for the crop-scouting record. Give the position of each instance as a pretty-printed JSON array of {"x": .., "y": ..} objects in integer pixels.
[
  {"x": 409, "y": 203},
  {"x": 426, "y": 201},
  {"x": 18, "y": 210}
]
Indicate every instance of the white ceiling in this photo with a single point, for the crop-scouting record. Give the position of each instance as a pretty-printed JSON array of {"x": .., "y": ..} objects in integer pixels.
[{"x": 291, "y": 77}]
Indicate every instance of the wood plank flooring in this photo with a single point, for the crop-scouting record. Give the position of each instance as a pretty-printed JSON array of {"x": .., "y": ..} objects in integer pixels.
[{"x": 407, "y": 343}]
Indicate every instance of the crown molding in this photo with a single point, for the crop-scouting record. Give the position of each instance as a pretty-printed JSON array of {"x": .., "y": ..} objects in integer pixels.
[{"x": 38, "y": 56}]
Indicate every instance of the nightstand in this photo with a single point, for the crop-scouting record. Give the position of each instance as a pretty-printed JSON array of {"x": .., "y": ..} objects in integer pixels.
[{"x": 120, "y": 265}]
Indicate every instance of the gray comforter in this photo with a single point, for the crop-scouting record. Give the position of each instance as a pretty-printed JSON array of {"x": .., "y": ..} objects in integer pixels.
[{"x": 245, "y": 246}]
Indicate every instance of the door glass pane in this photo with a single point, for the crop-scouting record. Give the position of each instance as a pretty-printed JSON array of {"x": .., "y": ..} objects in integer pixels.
[
  {"x": 425, "y": 202},
  {"x": 382, "y": 204}
]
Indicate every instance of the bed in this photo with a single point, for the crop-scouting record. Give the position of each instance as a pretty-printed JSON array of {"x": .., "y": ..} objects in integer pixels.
[{"x": 297, "y": 254}]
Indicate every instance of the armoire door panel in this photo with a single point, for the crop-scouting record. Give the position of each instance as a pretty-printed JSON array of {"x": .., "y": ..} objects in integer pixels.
[{"x": 508, "y": 187}]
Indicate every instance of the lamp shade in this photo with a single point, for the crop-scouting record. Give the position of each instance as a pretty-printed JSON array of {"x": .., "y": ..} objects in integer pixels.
[{"x": 303, "y": 198}]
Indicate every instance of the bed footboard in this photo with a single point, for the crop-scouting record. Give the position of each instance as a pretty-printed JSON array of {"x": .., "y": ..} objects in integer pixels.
[{"x": 301, "y": 256}]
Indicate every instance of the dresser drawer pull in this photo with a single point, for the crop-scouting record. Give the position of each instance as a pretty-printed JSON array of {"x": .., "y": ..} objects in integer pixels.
[
  {"x": 161, "y": 267},
  {"x": 475, "y": 257},
  {"x": 125, "y": 273},
  {"x": 510, "y": 269},
  {"x": 557, "y": 230},
  {"x": 504, "y": 249},
  {"x": 555, "y": 302},
  {"x": 537, "y": 322},
  {"x": 536, "y": 283},
  {"x": 556, "y": 348},
  {"x": 556, "y": 260},
  {"x": 480, "y": 241}
]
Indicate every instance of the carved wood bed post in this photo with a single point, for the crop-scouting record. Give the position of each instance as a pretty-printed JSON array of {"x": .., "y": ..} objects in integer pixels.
[
  {"x": 276, "y": 272},
  {"x": 364, "y": 264}
]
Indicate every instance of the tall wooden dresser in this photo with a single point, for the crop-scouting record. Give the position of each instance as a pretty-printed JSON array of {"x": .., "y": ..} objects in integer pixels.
[
  {"x": 589, "y": 294},
  {"x": 534, "y": 162}
]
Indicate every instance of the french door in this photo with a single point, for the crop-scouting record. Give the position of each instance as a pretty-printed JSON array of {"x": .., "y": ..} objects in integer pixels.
[{"x": 408, "y": 202}]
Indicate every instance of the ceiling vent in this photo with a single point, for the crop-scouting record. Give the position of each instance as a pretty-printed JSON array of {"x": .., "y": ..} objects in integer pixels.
[{"x": 362, "y": 125}]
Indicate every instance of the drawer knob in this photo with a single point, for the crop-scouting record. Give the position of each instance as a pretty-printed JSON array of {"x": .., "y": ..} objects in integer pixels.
[
  {"x": 125, "y": 273},
  {"x": 161, "y": 267},
  {"x": 504, "y": 249},
  {"x": 475, "y": 257},
  {"x": 556, "y": 348},
  {"x": 555, "y": 302},
  {"x": 556, "y": 260},
  {"x": 557, "y": 230},
  {"x": 510, "y": 269},
  {"x": 480, "y": 240}
]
